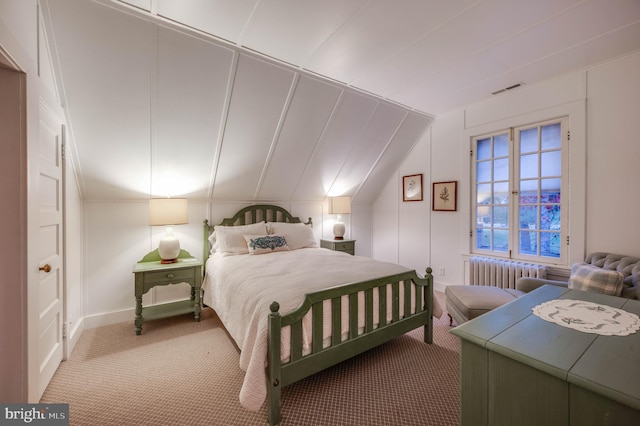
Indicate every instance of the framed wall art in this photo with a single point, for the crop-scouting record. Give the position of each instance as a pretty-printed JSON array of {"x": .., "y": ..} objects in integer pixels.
[
  {"x": 445, "y": 195},
  {"x": 412, "y": 188}
]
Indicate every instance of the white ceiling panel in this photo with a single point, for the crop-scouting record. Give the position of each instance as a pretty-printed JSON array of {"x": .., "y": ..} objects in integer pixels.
[
  {"x": 225, "y": 19},
  {"x": 376, "y": 33},
  {"x": 368, "y": 148},
  {"x": 482, "y": 25},
  {"x": 412, "y": 128},
  {"x": 260, "y": 90},
  {"x": 304, "y": 125},
  {"x": 190, "y": 95},
  {"x": 153, "y": 91},
  {"x": 292, "y": 30},
  {"x": 346, "y": 127},
  {"x": 143, "y": 4},
  {"x": 107, "y": 102}
]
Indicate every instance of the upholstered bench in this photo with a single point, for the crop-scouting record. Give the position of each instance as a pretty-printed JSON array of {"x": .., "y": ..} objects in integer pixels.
[{"x": 465, "y": 302}]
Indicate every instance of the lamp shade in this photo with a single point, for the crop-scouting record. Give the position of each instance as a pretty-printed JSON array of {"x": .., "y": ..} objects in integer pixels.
[
  {"x": 339, "y": 205},
  {"x": 168, "y": 211}
]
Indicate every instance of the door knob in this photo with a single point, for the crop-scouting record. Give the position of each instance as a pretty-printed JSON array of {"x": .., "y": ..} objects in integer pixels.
[{"x": 46, "y": 268}]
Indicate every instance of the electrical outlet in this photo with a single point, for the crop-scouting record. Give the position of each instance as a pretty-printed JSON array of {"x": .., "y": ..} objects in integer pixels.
[{"x": 441, "y": 271}]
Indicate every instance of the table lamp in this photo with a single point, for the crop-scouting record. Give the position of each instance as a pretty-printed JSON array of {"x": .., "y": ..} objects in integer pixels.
[
  {"x": 168, "y": 212},
  {"x": 339, "y": 206}
]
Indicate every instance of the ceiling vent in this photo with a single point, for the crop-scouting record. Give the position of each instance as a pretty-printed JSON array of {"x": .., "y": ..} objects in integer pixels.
[{"x": 508, "y": 88}]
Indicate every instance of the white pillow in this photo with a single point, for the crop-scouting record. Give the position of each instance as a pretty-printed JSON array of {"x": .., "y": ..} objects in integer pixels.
[
  {"x": 230, "y": 239},
  {"x": 298, "y": 235},
  {"x": 261, "y": 244}
]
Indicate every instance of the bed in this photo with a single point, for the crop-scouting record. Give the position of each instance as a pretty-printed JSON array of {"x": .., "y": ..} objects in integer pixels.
[{"x": 297, "y": 309}]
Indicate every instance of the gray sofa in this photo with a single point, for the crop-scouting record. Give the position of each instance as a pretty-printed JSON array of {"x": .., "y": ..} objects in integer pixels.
[
  {"x": 627, "y": 265},
  {"x": 466, "y": 302}
]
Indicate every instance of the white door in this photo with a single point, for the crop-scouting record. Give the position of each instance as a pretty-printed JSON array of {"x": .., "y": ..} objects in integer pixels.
[{"x": 50, "y": 290}]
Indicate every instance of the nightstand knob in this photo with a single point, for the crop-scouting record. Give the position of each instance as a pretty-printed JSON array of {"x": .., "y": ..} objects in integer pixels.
[{"x": 170, "y": 276}]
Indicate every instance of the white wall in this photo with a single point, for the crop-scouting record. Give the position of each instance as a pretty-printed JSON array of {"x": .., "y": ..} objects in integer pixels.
[
  {"x": 603, "y": 104},
  {"x": 117, "y": 235}
]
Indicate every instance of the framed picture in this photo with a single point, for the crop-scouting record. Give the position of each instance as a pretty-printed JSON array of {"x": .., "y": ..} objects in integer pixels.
[
  {"x": 445, "y": 195},
  {"x": 412, "y": 188}
]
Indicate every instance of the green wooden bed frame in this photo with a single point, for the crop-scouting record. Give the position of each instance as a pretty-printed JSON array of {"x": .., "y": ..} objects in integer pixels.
[{"x": 299, "y": 365}]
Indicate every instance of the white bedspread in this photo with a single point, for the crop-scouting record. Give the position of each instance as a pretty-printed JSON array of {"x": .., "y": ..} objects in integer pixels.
[{"x": 241, "y": 288}]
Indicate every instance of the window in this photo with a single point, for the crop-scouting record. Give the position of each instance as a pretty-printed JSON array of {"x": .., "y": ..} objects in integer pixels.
[{"x": 519, "y": 178}]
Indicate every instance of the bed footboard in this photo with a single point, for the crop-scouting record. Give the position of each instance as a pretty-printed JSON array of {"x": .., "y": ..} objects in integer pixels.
[{"x": 404, "y": 302}]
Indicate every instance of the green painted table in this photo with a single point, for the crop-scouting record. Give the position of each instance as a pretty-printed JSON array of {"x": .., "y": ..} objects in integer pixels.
[
  {"x": 150, "y": 272},
  {"x": 518, "y": 369}
]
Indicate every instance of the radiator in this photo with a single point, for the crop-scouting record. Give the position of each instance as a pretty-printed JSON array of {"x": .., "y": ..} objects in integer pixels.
[{"x": 501, "y": 273}]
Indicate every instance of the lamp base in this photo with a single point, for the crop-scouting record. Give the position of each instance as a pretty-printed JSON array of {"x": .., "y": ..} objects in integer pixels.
[
  {"x": 338, "y": 231},
  {"x": 167, "y": 261}
]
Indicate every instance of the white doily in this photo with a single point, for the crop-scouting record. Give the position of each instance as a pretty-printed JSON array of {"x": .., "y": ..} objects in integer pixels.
[{"x": 588, "y": 317}]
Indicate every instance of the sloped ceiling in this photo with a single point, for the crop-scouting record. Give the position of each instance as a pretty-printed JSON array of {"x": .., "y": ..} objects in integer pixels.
[{"x": 295, "y": 100}]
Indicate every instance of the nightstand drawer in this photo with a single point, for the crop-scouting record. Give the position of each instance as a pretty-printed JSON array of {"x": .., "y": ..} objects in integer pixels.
[
  {"x": 347, "y": 246},
  {"x": 174, "y": 275}
]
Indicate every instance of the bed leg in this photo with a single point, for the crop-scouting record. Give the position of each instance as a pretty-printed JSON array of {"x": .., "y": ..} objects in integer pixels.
[
  {"x": 428, "y": 302},
  {"x": 274, "y": 389}
]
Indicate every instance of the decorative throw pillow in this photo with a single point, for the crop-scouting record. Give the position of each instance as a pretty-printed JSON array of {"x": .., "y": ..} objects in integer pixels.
[
  {"x": 230, "y": 239},
  {"x": 261, "y": 244},
  {"x": 587, "y": 277},
  {"x": 298, "y": 235}
]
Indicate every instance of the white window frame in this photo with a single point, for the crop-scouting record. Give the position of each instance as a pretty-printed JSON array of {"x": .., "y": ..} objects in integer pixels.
[
  {"x": 513, "y": 206},
  {"x": 576, "y": 180}
]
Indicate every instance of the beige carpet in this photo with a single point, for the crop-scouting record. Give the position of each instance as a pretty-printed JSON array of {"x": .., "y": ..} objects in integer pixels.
[{"x": 179, "y": 372}]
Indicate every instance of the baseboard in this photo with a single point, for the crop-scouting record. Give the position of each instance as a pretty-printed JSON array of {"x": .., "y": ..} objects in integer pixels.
[
  {"x": 73, "y": 335},
  {"x": 108, "y": 318}
]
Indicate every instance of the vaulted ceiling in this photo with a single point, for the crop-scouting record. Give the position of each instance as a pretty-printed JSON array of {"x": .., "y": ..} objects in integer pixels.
[{"x": 295, "y": 99}]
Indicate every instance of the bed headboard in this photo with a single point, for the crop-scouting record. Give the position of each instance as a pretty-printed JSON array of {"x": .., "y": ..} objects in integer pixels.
[{"x": 247, "y": 216}]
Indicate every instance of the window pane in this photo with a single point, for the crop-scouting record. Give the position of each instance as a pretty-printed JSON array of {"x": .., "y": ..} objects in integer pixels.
[
  {"x": 528, "y": 243},
  {"x": 483, "y": 193},
  {"x": 483, "y": 149},
  {"x": 528, "y": 217},
  {"x": 551, "y": 164},
  {"x": 551, "y": 136},
  {"x": 482, "y": 216},
  {"x": 501, "y": 217},
  {"x": 550, "y": 217},
  {"x": 501, "y": 169},
  {"x": 529, "y": 191},
  {"x": 550, "y": 192},
  {"x": 483, "y": 238},
  {"x": 501, "y": 240},
  {"x": 483, "y": 171},
  {"x": 501, "y": 145},
  {"x": 529, "y": 140},
  {"x": 528, "y": 166},
  {"x": 501, "y": 193},
  {"x": 550, "y": 244}
]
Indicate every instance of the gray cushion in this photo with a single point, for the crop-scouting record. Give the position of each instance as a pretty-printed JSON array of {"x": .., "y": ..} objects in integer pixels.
[
  {"x": 469, "y": 301},
  {"x": 592, "y": 278}
]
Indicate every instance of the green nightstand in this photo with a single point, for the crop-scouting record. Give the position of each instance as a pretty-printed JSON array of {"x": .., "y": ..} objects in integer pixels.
[
  {"x": 347, "y": 246},
  {"x": 149, "y": 272}
]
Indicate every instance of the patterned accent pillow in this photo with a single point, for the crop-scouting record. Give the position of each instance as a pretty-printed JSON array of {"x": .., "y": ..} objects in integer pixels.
[
  {"x": 587, "y": 277},
  {"x": 261, "y": 244}
]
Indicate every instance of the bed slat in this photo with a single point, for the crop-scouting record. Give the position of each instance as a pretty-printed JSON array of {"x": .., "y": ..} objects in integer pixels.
[
  {"x": 407, "y": 299},
  {"x": 368, "y": 310},
  {"x": 317, "y": 327},
  {"x": 395, "y": 300},
  {"x": 336, "y": 320},
  {"x": 296, "y": 341},
  {"x": 382, "y": 305},
  {"x": 353, "y": 315}
]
